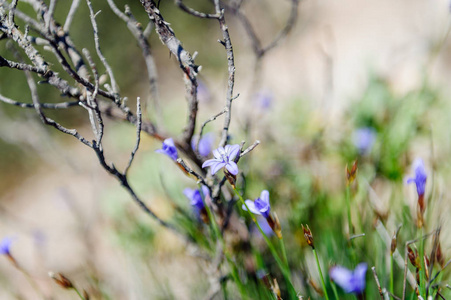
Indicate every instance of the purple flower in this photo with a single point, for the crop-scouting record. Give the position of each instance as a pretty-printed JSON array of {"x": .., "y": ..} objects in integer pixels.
[
  {"x": 196, "y": 198},
  {"x": 264, "y": 99},
  {"x": 224, "y": 157},
  {"x": 260, "y": 206},
  {"x": 350, "y": 281},
  {"x": 5, "y": 245},
  {"x": 169, "y": 149},
  {"x": 363, "y": 139},
  {"x": 264, "y": 225},
  {"x": 420, "y": 176},
  {"x": 205, "y": 144}
]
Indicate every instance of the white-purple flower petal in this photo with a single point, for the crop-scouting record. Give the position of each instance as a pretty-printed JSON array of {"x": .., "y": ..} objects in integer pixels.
[
  {"x": 224, "y": 157},
  {"x": 216, "y": 167},
  {"x": 260, "y": 206},
  {"x": 233, "y": 151},
  {"x": 232, "y": 167},
  {"x": 251, "y": 205}
]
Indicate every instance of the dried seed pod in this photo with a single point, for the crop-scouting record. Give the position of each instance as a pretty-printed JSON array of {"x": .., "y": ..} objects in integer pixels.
[
  {"x": 61, "y": 280},
  {"x": 308, "y": 236},
  {"x": 351, "y": 174}
]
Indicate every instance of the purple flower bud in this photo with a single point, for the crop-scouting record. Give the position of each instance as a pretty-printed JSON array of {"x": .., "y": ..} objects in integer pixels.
[
  {"x": 5, "y": 245},
  {"x": 259, "y": 206},
  {"x": 169, "y": 149},
  {"x": 205, "y": 144},
  {"x": 224, "y": 157},
  {"x": 420, "y": 176},
  {"x": 363, "y": 139},
  {"x": 350, "y": 281},
  {"x": 195, "y": 197}
]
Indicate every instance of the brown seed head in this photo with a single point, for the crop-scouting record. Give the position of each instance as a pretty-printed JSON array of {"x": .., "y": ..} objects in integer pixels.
[
  {"x": 439, "y": 256},
  {"x": 308, "y": 236},
  {"x": 274, "y": 223},
  {"x": 61, "y": 280},
  {"x": 413, "y": 257},
  {"x": 231, "y": 178},
  {"x": 351, "y": 174}
]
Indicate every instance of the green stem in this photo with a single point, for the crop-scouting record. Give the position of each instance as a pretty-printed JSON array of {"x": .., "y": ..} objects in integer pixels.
[
  {"x": 422, "y": 270},
  {"x": 78, "y": 293},
  {"x": 348, "y": 204},
  {"x": 282, "y": 267},
  {"x": 391, "y": 274},
  {"x": 321, "y": 275},
  {"x": 218, "y": 236},
  {"x": 284, "y": 252},
  {"x": 334, "y": 289}
]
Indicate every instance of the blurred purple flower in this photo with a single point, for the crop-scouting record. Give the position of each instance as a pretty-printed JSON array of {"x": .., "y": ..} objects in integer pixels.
[
  {"x": 224, "y": 157},
  {"x": 259, "y": 206},
  {"x": 195, "y": 197},
  {"x": 264, "y": 99},
  {"x": 363, "y": 139},
  {"x": 169, "y": 149},
  {"x": 39, "y": 237},
  {"x": 203, "y": 93},
  {"x": 205, "y": 144},
  {"x": 5, "y": 245},
  {"x": 420, "y": 176},
  {"x": 350, "y": 281}
]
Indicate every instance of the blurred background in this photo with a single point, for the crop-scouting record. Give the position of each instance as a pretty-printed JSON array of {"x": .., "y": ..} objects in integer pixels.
[{"x": 378, "y": 66}]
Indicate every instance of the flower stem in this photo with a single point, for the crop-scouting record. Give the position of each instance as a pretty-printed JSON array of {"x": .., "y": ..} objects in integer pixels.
[
  {"x": 321, "y": 275},
  {"x": 421, "y": 286},
  {"x": 334, "y": 289},
  {"x": 348, "y": 204},
  {"x": 391, "y": 274},
  {"x": 78, "y": 293},
  {"x": 283, "y": 268},
  {"x": 284, "y": 252},
  {"x": 218, "y": 236}
]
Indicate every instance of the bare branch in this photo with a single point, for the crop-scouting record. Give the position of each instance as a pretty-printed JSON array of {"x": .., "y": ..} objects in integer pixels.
[
  {"x": 188, "y": 170},
  {"x": 195, "y": 12},
  {"x": 186, "y": 64},
  {"x": 377, "y": 282},
  {"x": 135, "y": 28},
  {"x": 95, "y": 116},
  {"x": 49, "y": 15},
  {"x": 138, "y": 134},
  {"x": 71, "y": 14},
  {"x": 231, "y": 69},
  {"x": 99, "y": 52},
  {"x": 250, "y": 148},
  {"x": 62, "y": 105}
]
